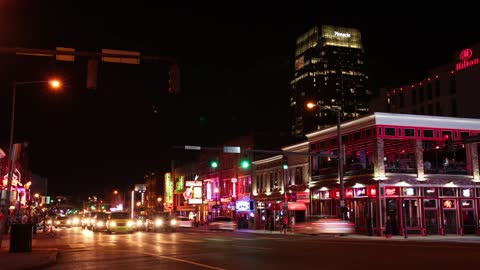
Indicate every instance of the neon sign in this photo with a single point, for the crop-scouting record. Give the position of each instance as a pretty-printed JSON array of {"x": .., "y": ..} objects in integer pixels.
[
  {"x": 372, "y": 191},
  {"x": 465, "y": 56},
  {"x": 390, "y": 191},
  {"x": 340, "y": 34},
  {"x": 448, "y": 204},
  {"x": 209, "y": 191}
]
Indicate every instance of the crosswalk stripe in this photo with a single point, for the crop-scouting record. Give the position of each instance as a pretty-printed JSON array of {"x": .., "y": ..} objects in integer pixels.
[
  {"x": 76, "y": 245},
  {"x": 164, "y": 242},
  {"x": 219, "y": 239},
  {"x": 245, "y": 239},
  {"x": 192, "y": 240},
  {"x": 106, "y": 244}
]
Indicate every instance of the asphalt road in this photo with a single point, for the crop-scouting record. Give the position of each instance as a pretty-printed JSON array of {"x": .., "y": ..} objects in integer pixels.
[{"x": 82, "y": 249}]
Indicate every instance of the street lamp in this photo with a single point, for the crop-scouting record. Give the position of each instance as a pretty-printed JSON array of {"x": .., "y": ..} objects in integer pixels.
[
  {"x": 54, "y": 84},
  {"x": 216, "y": 198},
  {"x": 311, "y": 105}
]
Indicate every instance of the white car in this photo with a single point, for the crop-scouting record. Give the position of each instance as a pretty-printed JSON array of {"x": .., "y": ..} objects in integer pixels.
[
  {"x": 222, "y": 223},
  {"x": 184, "y": 222}
]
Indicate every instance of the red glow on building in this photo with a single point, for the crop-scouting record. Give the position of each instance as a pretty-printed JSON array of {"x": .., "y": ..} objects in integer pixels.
[
  {"x": 466, "y": 64},
  {"x": 466, "y": 54}
]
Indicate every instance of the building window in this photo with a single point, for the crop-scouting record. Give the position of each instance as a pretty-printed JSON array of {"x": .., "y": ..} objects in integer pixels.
[
  {"x": 464, "y": 134},
  {"x": 298, "y": 176},
  {"x": 437, "y": 88},
  {"x": 390, "y": 131},
  {"x": 428, "y": 133},
  {"x": 409, "y": 132},
  {"x": 429, "y": 91},
  {"x": 454, "y": 107},
  {"x": 414, "y": 97},
  {"x": 453, "y": 85},
  {"x": 439, "y": 109}
]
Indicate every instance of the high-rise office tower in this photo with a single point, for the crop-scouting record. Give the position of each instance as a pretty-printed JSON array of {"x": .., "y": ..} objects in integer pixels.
[{"x": 330, "y": 70}]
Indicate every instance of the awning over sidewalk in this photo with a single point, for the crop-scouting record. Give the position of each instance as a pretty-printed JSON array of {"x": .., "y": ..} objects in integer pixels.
[{"x": 296, "y": 206}]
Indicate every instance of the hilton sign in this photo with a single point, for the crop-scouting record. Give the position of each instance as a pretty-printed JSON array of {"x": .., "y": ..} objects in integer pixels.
[{"x": 465, "y": 56}]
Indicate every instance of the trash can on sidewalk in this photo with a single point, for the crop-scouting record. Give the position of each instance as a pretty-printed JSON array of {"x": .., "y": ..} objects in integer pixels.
[{"x": 21, "y": 238}]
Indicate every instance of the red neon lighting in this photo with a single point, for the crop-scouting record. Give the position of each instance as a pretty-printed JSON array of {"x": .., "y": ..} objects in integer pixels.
[
  {"x": 372, "y": 192},
  {"x": 448, "y": 204},
  {"x": 390, "y": 191},
  {"x": 466, "y": 64},
  {"x": 466, "y": 54}
]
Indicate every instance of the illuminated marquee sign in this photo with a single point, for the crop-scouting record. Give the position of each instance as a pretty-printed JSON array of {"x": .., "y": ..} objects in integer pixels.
[
  {"x": 15, "y": 179},
  {"x": 242, "y": 205},
  {"x": 465, "y": 57},
  {"x": 372, "y": 192},
  {"x": 340, "y": 34},
  {"x": 360, "y": 192},
  {"x": 209, "y": 190}
]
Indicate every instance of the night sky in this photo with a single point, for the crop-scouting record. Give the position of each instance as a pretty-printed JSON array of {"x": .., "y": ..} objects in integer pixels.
[{"x": 236, "y": 62}]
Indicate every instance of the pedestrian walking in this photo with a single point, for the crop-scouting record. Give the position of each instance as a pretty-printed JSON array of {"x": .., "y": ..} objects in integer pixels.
[
  {"x": 389, "y": 228},
  {"x": 285, "y": 224}
]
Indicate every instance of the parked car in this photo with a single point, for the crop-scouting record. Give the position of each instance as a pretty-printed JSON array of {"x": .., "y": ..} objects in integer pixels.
[
  {"x": 120, "y": 222},
  {"x": 222, "y": 223},
  {"x": 161, "y": 222}
]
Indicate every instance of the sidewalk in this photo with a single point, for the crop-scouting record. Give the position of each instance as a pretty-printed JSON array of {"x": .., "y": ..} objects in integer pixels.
[
  {"x": 37, "y": 258},
  {"x": 436, "y": 238}
]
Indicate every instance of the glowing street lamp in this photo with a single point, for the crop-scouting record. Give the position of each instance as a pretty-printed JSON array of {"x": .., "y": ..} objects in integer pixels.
[
  {"x": 159, "y": 199},
  {"x": 311, "y": 105},
  {"x": 54, "y": 84}
]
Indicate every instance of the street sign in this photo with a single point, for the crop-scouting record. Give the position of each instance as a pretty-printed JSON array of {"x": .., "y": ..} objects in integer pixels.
[
  {"x": 231, "y": 149},
  {"x": 65, "y": 57},
  {"x": 193, "y": 147},
  {"x": 131, "y": 57}
]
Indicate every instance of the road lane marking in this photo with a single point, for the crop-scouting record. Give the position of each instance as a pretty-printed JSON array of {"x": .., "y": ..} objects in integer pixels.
[
  {"x": 106, "y": 244},
  {"x": 268, "y": 238},
  {"x": 184, "y": 261},
  {"x": 164, "y": 242},
  {"x": 76, "y": 245},
  {"x": 192, "y": 240},
  {"x": 245, "y": 239},
  {"x": 262, "y": 248},
  {"x": 219, "y": 239}
]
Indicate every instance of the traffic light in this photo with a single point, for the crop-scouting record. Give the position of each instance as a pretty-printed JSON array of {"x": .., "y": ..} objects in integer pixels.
[
  {"x": 92, "y": 74},
  {"x": 284, "y": 163},
  {"x": 174, "y": 79},
  {"x": 245, "y": 163},
  {"x": 214, "y": 164}
]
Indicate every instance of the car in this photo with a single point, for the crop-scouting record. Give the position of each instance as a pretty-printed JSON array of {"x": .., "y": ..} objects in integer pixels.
[
  {"x": 184, "y": 222},
  {"x": 141, "y": 223},
  {"x": 222, "y": 223},
  {"x": 62, "y": 221},
  {"x": 161, "y": 222},
  {"x": 99, "y": 221},
  {"x": 324, "y": 225},
  {"x": 75, "y": 220},
  {"x": 120, "y": 222}
]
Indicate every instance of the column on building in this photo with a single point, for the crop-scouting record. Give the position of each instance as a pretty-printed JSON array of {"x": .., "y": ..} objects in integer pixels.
[
  {"x": 378, "y": 162},
  {"x": 419, "y": 159},
  {"x": 472, "y": 160}
]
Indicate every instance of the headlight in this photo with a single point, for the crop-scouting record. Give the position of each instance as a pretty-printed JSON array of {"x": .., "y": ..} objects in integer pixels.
[
  {"x": 130, "y": 223},
  {"x": 139, "y": 223},
  {"x": 49, "y": 221},
  {"x": 75, "y": 221},
  {"x": 158, "y": 222},
  {"x": 173, "y": 222},
  {"x": 99, "y": 224},
  {"x": 87, "y": 220},
  {"x": 58, "y": 222},
  {"x": 112, "y": 223},
  {"x": 69, "y": 222}
]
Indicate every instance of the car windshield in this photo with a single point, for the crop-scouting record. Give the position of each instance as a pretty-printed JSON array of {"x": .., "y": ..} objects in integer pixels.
[
  {"x": 102, "y": 215},
  {"x": 120, "y": 215}
]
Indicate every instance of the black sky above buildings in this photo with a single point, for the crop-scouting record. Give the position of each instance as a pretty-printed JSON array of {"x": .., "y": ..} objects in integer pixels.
[{"x": 236, "y": 61}]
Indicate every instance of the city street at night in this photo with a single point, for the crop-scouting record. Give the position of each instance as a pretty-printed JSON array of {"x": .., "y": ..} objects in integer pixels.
[{"x": 199, "y": 249}]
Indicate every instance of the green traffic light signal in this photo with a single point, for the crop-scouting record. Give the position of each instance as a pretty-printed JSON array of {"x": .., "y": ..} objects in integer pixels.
[
  {"x": 245, "y": 164},
  {"x": 285, "y": 167},
  {"x": 214, "y": 164}
]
